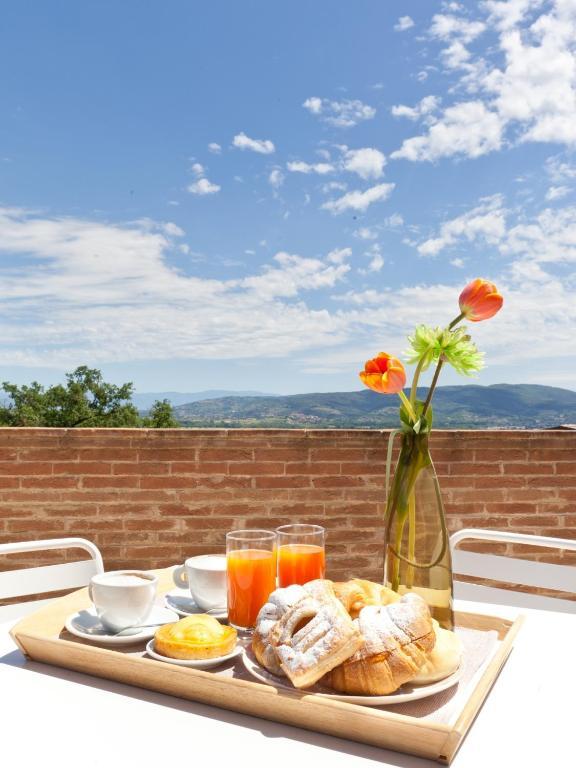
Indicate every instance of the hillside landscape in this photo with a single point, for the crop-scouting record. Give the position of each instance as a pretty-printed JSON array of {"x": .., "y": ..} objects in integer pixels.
[{"x": 470, "y": 407}]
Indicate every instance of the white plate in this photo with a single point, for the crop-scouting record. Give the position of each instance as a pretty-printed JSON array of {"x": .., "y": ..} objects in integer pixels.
[
  {"x": 87, "y": 625},
  {"x": 181, "y": 601},
  {"x": 406, "y": 692},
  {"x": 194, "y": 663}
]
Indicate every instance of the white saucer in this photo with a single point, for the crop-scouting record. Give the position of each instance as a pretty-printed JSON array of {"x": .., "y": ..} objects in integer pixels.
[
  {"x": 181, "y": 601},
  {"x": 87, "y": 625},
  {"x": 407, "y": 692},
  {"x": 193, "y": 663}
]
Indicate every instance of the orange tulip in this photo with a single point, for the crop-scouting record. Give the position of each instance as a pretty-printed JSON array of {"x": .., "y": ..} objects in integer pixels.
[
  {"x": 480, "y": 300},
  {"x": 384, "y": 374}
]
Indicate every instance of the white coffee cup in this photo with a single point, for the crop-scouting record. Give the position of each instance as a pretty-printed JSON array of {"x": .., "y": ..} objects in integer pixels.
[
  {"x": 123, "y": 598},
  {"x": 205, "y": 576}
]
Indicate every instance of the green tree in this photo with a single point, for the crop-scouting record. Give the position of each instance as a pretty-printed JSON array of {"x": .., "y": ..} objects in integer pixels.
[
  {"x": 161, "y": 416},
  {"x": 86, "y": 400}
]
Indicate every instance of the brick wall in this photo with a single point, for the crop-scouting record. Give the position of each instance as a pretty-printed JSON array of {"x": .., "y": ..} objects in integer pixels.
[{"x": 149, "y": 498}]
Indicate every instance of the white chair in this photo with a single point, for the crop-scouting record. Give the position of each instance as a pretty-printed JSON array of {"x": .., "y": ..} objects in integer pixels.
[
  {"x": 512, "y": 570},
  {"x": 45, "y": 578}
]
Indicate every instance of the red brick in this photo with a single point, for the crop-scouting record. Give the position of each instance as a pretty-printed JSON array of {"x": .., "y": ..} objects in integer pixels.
[
  {"x": 537, "y": 468},
  {"x": 49, "y": 482},
  {"x": 32, "y": 468},
  {"x": 81, "y": 468},
  {"x": 257, "y": 468},
  {"x": 226, "y": 454},
  {"x": 110, "y": 482},
  {"x": 150, "y": 468},
  {"x": 162, "y": 524},
  {"x": 292, "y": 481}
]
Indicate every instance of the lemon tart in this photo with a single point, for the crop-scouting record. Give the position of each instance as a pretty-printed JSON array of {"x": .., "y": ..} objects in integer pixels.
[{"x": 195, "y": 637}]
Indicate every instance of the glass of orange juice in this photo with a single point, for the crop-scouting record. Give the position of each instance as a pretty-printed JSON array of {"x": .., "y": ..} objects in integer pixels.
[
  {"x": 251, "y": 574},
  {"x": 301, "y": 555}
]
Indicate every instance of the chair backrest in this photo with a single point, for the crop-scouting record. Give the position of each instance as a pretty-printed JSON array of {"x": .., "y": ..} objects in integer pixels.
[
  {"x": 45, "y": 578},
  {"x": 511, "y": 570}
]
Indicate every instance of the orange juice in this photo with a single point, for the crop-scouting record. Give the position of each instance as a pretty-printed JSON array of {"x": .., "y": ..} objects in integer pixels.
[
  {"x": 299, "y": 563},
  {"x": 251, "y": 579}
]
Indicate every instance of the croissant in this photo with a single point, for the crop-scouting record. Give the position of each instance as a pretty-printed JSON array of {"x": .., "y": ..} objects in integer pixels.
[
  {"x": 358, "y": 593},
  {"x": 314, "y": 635},
  {"x": 397, "y": 640},
  {"x": 278, "y": 603}
]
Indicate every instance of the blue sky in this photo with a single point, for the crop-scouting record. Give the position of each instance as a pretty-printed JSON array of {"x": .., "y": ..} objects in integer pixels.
[{"x": 262, "y": 195}]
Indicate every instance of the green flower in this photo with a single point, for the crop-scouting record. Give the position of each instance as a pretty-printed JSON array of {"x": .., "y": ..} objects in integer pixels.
[{"x": 428, "y": 345}]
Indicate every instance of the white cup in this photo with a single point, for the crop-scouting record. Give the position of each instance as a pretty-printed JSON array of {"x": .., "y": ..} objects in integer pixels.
[
  {"x": 123, "y": 598},
  {"x": 205, "y": 576}
]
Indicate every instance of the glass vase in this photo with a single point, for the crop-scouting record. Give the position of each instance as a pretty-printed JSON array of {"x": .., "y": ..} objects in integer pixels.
[{"x": 417, "y": 552}]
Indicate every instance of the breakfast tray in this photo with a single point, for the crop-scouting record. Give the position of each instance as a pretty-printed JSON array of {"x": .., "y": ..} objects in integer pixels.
[{"x": 416, "y": 730}]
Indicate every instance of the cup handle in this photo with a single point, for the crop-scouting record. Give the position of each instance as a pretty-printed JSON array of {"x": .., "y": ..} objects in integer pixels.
[{"x": 180, "y": 576}]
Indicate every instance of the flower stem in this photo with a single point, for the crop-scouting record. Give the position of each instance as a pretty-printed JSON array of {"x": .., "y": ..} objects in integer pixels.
[
  {"x": 411, "y": 538},
  {"x": 432, "y": 386},
  {"x": 417, "y": 373},
  {"x": 456, "y": 320},
  {"x": 439, "y": 368},
  {"x": 408, "y": 405}
]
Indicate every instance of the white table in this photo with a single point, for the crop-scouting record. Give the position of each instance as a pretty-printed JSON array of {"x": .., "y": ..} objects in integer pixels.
[{"x": 54, "y": 717}]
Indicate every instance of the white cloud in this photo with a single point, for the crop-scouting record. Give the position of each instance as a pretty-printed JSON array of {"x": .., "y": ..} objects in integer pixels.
[
  {"x": 358, "y": 200},
  {"x": 262, "y": 146},
  {"x": 559, "y": 170},
  {"x": 403, "y": 23},
  {"x": 334, "y": 186},
  {"x": 365, "y": 233},
  {"x": 89, "y": 291},
  {"x": 447, "y": 27},
  {"x": 538, "y": 86},
  {"x": 203, "y": 187},
  {"x": 368, "y": 163},
  {"x": 505, "y": 15},
  {"x": 299, "y": 166},
  {"x": 468, "y": 128},
  {"x": 313, "y": 105},
  {"x": 550, "y": 237},
  {"x": 529, "y": 95},
  {"x": 293, "y": 275},
  {"x": 215, "y": 148},
  {"x": 376, "y": 263},
  {"x": 486, "y": 221},
  {"x": 341, "y": 114},
  {"x": 276, "y": 178},
  {"x": 426, "y": 106},
  {"x": 394, "y": 220},
  {"x": 457, "y": 262},
  {"x": 556, "y": 193},
  {"x": 339, "y": 255}
]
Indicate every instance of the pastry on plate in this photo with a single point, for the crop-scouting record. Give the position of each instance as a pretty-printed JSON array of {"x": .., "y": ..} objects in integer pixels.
[
  {"x": 356, "y": 594},
  {"x": 397, "y": 639},
  {"x": 443, "y": 659},
  {"x": 278, "y": 603},
  {"x": 195, "y": 637},
  {"x": 314, "y": 635}
]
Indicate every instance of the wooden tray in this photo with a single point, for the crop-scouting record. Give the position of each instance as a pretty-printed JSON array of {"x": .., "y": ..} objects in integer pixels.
[{"x": 42, "y": 637}]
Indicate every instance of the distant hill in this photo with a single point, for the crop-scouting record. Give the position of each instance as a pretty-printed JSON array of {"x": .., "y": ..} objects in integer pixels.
[
  {"x": 467, "y": 407},
  {"x": 143, "y": 400}
]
